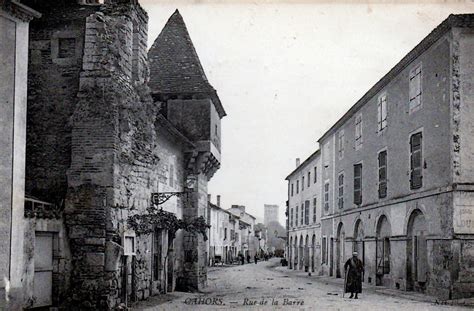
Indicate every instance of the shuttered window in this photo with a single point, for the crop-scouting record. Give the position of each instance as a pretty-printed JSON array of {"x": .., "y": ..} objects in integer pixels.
[
  {"x": 296, "y": 217},
  {"x": 340, "y": 144},
  {"x": 309, "y": 179},
  {"x": 315, "y": 201},
  {"x": 340, "y": 194},
  {"x": 315, "y": 174},
  {"x": 326, "y": 196},
  {"x": 358, "y": 184},
  {"x": 416, "y": 176},
  {"x": 306, "y": 212},
  {"x": 291, "y": 218},
  {"x": 415, "y": 88},
  {"x": 358, "y": 131},
  {"x": 302, "y": 214},
  {"x": 382, "y": 112},
  {"x": 382, "y": 174}
]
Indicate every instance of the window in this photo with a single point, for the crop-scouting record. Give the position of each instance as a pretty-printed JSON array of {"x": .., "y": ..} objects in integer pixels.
[
  {"x": 382, "y": 159},
  {"x": 297, "y": 186},
  {"x": 415, "y": 88},
  {"x": 302, "y": 183},
  {"x": 296, "y": 217},
  {"x": 291, "y": 217},
  {"x": 171, "y": 175},
  {"x": 340, "y": 194},
  {"x": 382, "y": 112},
  {"x": 306, "y": 212},
  {"x": 66, "y": 47},
  {"x": 324, "y": 250},
  {"x": 292, "y": 188},
  {"x": 315, "y": 201},
  {"x": 340, "y": 144},
  {"x": 225, "y": 233},
  {"x": 309, "y": 179},
  {"x": 326, "y": 196},
  {"x": 358, "y": 131},
  {"x": 302, "y": 214},
  {"x": 315, "y": 174},
  {"x": 358, "y": 184},
  {"x": 416, "y": 175}
]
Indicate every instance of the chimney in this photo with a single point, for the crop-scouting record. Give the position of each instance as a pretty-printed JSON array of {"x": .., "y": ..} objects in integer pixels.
[
  {"x": 218, "y": 200},
  {"x": 298, "y": 162}
]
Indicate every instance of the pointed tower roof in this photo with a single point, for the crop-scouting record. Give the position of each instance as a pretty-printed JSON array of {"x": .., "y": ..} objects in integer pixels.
[{"x": 175, "y": 67}]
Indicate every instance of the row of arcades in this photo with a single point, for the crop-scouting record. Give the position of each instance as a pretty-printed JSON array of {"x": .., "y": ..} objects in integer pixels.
[{"x": 390, "y": 259}]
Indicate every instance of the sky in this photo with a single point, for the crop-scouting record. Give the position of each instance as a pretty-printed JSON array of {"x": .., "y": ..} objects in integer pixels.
[{"x": 286, "y": 73}]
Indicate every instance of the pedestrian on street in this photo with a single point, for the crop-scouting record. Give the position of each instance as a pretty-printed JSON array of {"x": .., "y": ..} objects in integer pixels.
[
  {"x": 248, "y": 258},
  {"x": 255, "y": 258},
  {"x": 354, "y": 269},
  {"x": 242, "y": 259}
]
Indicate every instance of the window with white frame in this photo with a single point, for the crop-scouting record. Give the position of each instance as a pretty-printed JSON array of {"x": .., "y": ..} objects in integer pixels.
[
  {"x": 382, "y": 112},
  {"x": 326, "y": 196},
  {"x": 340, "y": 144},
  {"x": 358, "y": 131},
  {"x": 415, "y": 88},
  {"x": 340, "y": 193}
]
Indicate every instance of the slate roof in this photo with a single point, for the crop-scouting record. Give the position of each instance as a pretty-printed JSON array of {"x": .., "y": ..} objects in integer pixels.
[{"x": 175, "y": 67}]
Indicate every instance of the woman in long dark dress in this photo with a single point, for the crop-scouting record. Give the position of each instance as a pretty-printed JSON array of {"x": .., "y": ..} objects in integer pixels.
[{"x": 354, "y": 275}]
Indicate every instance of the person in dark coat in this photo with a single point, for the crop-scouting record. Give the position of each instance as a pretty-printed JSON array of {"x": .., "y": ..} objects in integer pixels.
[
  {"x": 354, "y": 268},
  {"x": 248, "y": 258},
  {"x": 255, "y": 258}
]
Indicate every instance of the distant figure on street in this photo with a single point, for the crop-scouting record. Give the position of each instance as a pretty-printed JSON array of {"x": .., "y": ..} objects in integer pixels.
[
  {"x": 255, "y": 258},
  {"x": 248, "y": 258},
  {"x": 242, "y": 259},
  {"x": 354, "y": 269}
]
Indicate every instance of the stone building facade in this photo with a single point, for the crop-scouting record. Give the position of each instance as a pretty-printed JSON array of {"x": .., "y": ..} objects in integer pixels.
[
  {"x": 397, "y": 172},
  {"x": 101, "y": 138},
  {"x": 304, "y": 215},
  {"x": 14, "y": 23}
]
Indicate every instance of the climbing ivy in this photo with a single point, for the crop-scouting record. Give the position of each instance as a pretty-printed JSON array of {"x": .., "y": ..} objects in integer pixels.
[{"x": 158, "y": 218}]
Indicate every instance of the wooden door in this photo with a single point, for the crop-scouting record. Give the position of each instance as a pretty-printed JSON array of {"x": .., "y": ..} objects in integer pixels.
[{"x": 43, "y": 261}]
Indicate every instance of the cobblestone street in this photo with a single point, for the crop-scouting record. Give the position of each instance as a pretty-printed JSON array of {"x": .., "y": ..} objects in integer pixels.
[{"x": 256, "y": 287}]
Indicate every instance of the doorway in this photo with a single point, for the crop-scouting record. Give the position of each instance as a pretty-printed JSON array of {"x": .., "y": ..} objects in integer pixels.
[
  {"x": 417, "y": 252},
  {"x": 43, "y": 262},
  {"x": 340, "y": 251}
]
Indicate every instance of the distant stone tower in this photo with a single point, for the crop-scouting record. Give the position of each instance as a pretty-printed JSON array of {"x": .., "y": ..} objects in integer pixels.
[
  {"x": 270, "y": 213},
  {"x": 180, "y": 88}
]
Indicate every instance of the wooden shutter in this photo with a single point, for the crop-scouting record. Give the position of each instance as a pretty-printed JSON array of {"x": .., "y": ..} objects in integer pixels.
[
  {"x": 358, "y": 184},
  {"x": 416, "y": 161},
  {"x": 340, "y": 201},
  {"x": 382, "y": 174},
  {"x": 422, "y": 259}
]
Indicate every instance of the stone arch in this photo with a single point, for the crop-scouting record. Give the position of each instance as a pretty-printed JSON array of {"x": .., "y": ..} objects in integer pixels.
[
  {"x": 340, "y": 250},
  {"x": 417, "y": 251},
  {"x": 383, "y": 249},
  {"x": 358, "y": 241},
  {"x": 301, "y": 252}
]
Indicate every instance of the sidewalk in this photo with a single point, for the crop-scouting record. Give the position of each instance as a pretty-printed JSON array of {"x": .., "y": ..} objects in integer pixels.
[{"x": 416, "y": 296}]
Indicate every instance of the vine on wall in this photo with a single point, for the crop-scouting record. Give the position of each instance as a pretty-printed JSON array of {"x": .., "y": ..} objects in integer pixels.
[{"x": 158, "y": 218}]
